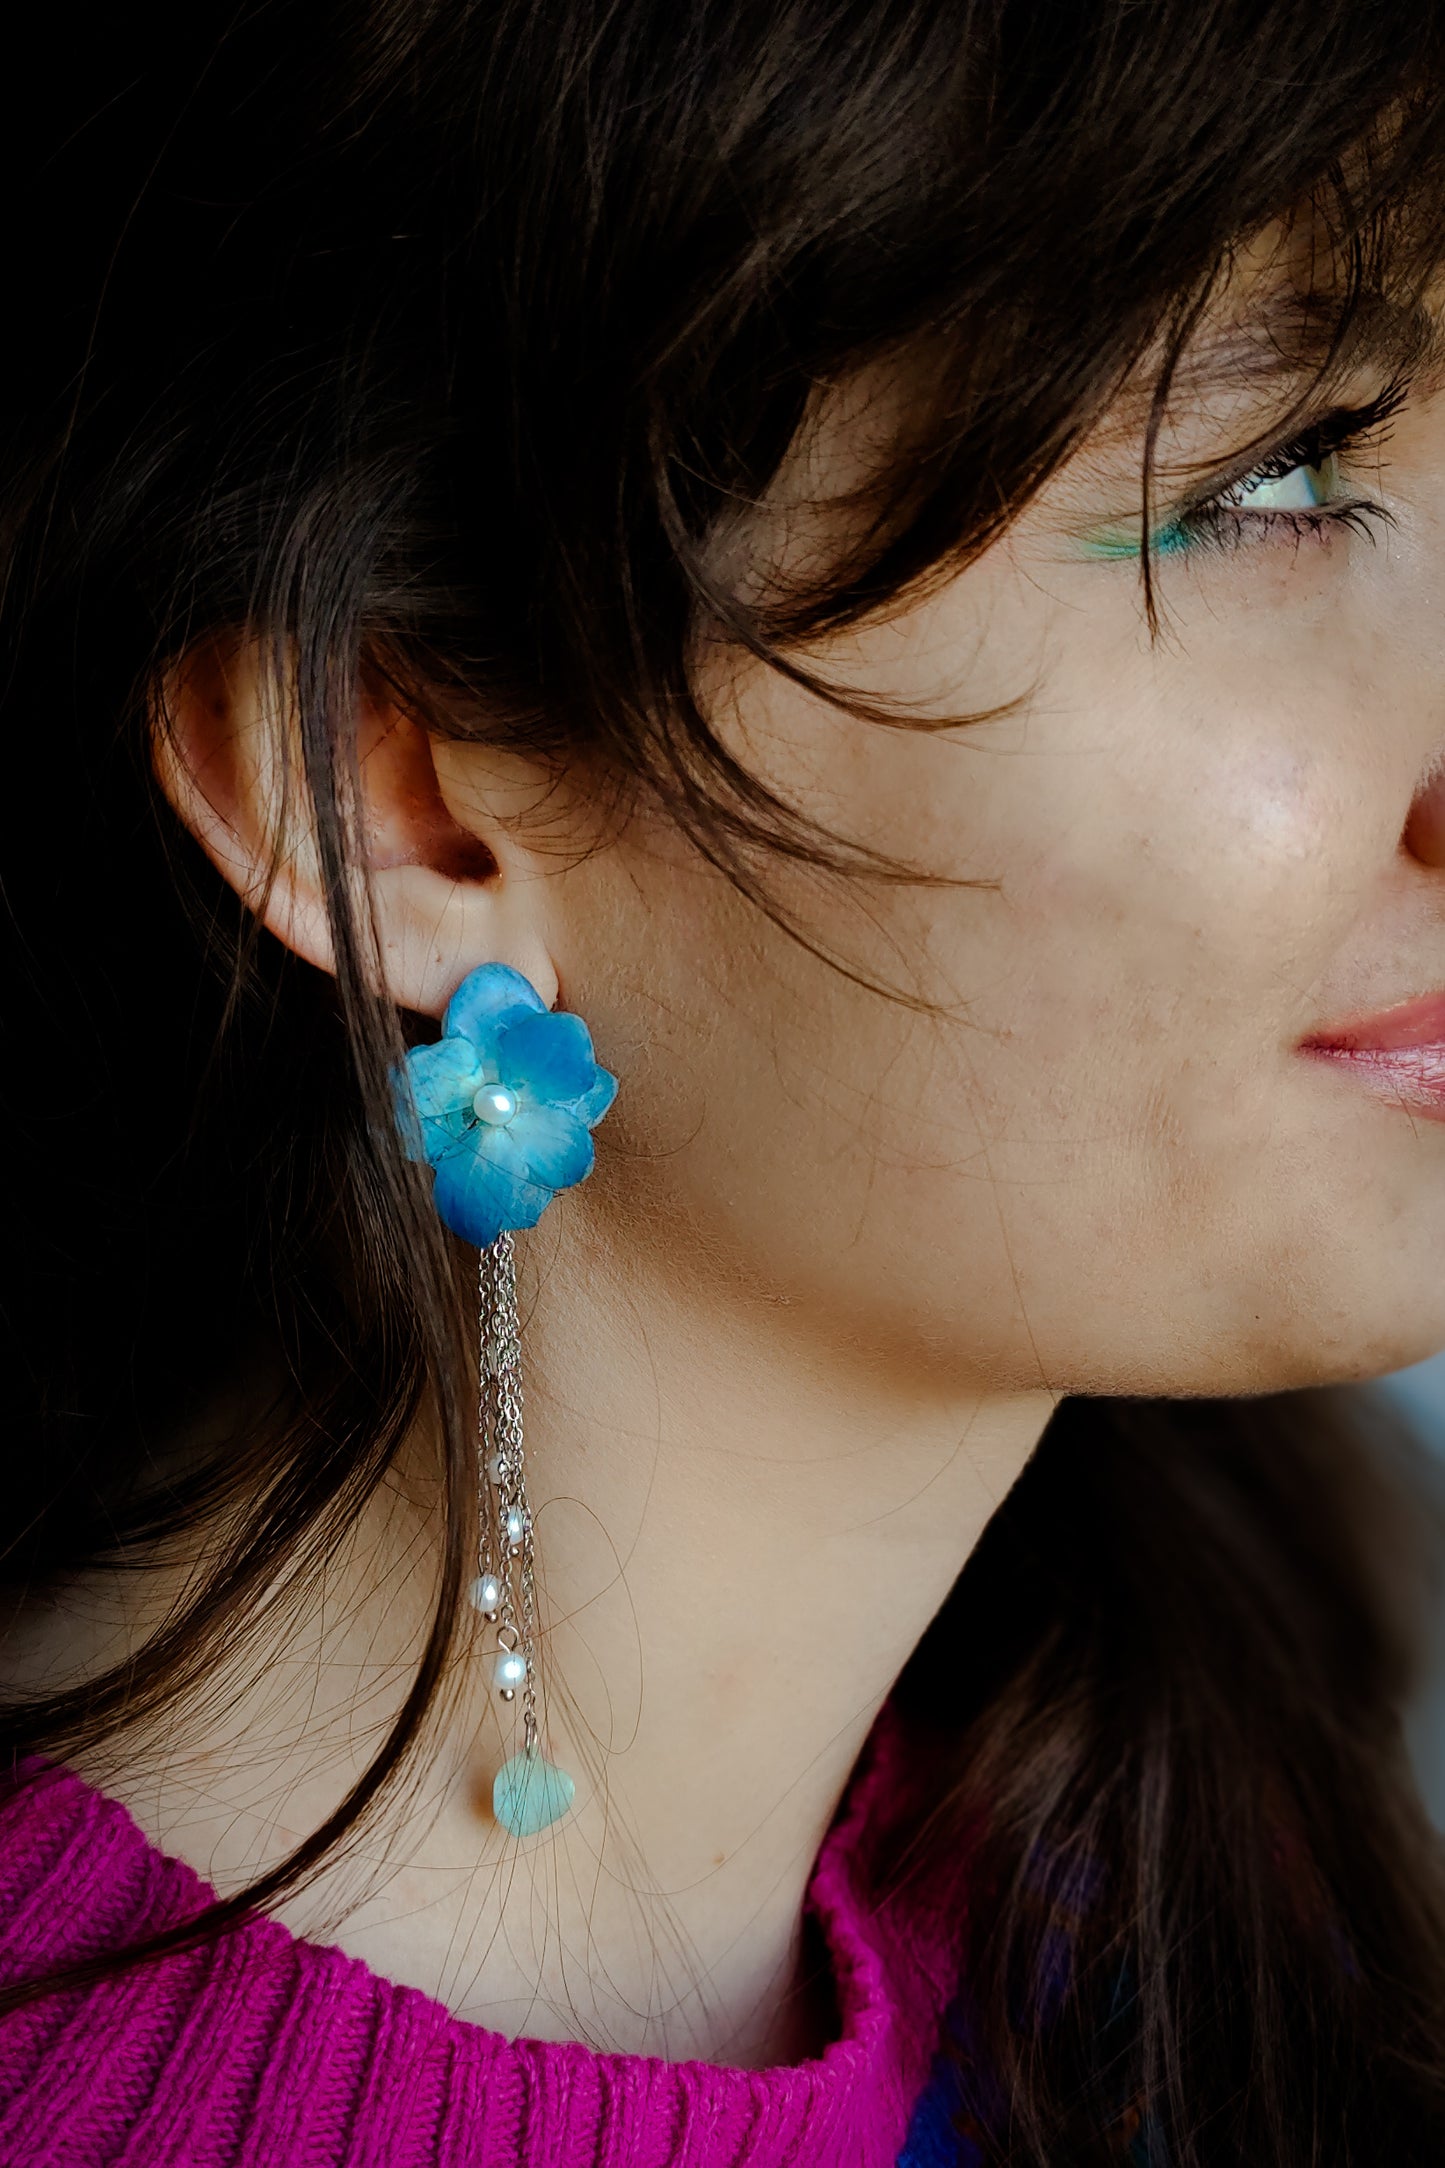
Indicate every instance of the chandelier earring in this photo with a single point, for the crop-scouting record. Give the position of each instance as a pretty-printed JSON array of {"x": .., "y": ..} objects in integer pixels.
[{"x": 502, "y": 1107}]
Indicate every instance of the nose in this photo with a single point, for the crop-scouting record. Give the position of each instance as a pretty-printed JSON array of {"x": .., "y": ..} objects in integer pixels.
[{"x": 1424, "y": 835}]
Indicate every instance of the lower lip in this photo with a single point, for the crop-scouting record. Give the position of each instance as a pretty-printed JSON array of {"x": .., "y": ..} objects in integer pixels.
[{"x": 1409, "y": 1077}]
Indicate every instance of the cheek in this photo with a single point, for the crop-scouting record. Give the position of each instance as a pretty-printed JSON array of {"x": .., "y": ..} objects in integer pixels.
[
  {"x": 1208, "y": 866},
  {"x": 1167, "y": 923},
  {"x": 1110, "y": 1152},
  {"x": 1270, "y": 814}
]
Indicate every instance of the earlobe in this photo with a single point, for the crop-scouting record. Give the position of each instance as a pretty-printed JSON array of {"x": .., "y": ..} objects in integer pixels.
[{"x": 443, "y": 894}]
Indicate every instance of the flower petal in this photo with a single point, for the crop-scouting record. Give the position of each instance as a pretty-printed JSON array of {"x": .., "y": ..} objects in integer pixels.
[
  {"x": 593, "y": 1104},
  {"x": 483, "y": 998},
  {"x": 432, "y": 1090},
  {"x": 550, "y": 1056},
  {"x": 479, "y": 1197},
  {"x": 551, "y": 1145},
  {"x": 442, "y": 1133}
]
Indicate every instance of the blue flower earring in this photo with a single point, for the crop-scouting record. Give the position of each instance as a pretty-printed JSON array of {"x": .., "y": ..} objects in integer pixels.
[{"x": 502, "y": 1107}]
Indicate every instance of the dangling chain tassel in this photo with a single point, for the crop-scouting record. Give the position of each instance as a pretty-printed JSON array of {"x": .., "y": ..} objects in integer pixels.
[{"x": 529, "y": 1792}]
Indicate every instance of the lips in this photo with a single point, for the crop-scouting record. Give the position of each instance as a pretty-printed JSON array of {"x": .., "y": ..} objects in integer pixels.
[
  {"x": 1398, "y": 1053},
  {"x": 1409, "y": 1024}
]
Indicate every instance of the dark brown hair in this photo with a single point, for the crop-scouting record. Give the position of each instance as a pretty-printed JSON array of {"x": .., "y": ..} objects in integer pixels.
[{"x": 442, "y": 340}]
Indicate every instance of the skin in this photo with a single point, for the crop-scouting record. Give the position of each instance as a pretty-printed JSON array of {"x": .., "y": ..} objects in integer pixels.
[{"x": 789, "y": 1346}]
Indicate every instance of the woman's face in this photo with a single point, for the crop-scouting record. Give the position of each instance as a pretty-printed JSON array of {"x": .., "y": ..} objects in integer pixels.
[{"x": 1106, "y": 1163}]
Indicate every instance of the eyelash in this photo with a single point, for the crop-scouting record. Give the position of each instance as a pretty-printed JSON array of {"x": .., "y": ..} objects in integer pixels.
[
  {"x": 1217, "y": 527},
  {"x": 1213, "y": 523}
]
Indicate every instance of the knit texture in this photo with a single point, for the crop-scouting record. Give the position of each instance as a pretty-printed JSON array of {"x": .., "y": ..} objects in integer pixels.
[{"x": 271, "y": 2051}]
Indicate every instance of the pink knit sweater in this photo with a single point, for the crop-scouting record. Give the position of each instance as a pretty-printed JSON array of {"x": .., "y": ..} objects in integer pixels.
[{"x": 273, "y": 2052}]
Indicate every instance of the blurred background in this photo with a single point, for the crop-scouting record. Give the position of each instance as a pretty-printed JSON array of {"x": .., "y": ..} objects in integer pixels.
[{"x": 1420, "y": 1394}]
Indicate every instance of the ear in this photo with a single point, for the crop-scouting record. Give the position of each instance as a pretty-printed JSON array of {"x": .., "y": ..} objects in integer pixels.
[{"x": 448, "y": 885}]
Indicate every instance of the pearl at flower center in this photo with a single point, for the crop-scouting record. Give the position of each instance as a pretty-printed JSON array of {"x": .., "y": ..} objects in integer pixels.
[{"x": 495, "y": 1105}]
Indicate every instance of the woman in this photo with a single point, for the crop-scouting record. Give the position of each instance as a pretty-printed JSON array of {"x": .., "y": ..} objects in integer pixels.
[{"x": 888, "y": 559}]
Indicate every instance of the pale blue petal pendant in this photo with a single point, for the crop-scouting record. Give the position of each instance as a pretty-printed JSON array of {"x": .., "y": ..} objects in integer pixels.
[{"x": 530, "y": 1793}]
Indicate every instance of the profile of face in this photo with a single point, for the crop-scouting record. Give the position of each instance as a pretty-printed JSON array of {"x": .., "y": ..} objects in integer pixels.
[{"x": 1091, "y": 1147}]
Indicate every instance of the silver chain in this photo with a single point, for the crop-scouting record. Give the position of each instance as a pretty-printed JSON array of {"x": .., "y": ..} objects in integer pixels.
[{"x": 505, "y": 1591}]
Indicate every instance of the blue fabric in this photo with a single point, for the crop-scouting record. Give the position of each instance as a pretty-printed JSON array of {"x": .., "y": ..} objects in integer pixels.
[
  {"x": 937, "y": 2136},
  {"x": 960, "y": 2104},
  {"x": 963, "y": 2103}
]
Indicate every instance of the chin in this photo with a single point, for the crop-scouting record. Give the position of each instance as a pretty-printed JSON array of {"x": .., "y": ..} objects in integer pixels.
[
  {"x": 1353, "y": 1354},
  {"x": 1286, "y": 1350}
]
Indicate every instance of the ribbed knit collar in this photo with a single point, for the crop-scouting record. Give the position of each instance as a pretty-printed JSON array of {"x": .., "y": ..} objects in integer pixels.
[{"x": 270, "y": 2051}]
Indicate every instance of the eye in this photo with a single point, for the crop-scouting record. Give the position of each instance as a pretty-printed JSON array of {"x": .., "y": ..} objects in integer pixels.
[
  {"x": 1298, "y": 491},
  {"x": 1303, "y": 487}
]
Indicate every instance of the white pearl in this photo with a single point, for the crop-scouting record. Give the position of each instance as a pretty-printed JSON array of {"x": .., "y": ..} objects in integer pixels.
[
  {"x": 486, "y": 1592},
  {"x": 515, "y": 1526},
  {"x": 494, "y": 1468},
  {"x": 511, "y": 1669},
  {"x": 494, "y": 1105}
]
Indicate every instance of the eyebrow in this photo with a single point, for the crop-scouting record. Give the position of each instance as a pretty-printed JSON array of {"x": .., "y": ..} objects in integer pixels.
[
  {"x": 1280, "y": 357},
  {"x": 1283, "y": 349},
  {"x": 1294, "y": 336}
]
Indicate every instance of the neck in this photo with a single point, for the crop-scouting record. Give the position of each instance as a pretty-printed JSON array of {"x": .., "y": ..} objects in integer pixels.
[{"x": 742, "y": 1533}]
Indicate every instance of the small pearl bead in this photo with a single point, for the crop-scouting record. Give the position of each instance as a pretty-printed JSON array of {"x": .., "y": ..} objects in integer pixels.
[
  {"x": 515, "y": 1526},
  {"x": 495, "y": 1105},
  {"x": 486, "y": 1594},
  {"x": 494, "y": 1468},
  {"x": 511, "y": 1670}
]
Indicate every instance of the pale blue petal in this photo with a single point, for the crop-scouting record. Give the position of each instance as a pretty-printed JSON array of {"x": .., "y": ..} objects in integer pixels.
[
  {"x": 432, "y": 1091},
  {"x": 443, "y": 1076},
  {"x": 550, "y": 1145},
  {"x": 548, "y": 1056},
  {"x": 479, "y": 1197},
  {"x": 442, "y": 1133},
  {"x": 529, "y": 1148},
  {"x": 593, "y": 1104},
  {"x": 483, "y": 998}
]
